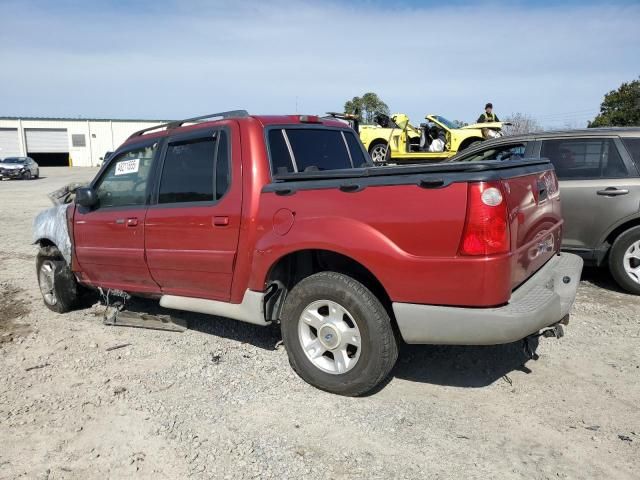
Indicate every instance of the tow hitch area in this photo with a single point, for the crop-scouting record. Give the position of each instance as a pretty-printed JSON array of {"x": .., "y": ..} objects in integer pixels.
[{"x": 554, "y": 331}]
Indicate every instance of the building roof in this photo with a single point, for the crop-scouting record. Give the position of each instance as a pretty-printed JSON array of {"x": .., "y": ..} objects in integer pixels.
[{"x": 63, "y": 119}]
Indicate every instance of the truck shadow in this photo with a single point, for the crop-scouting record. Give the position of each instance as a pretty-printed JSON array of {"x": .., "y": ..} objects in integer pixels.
[
  {"x": 600, "y": 277},
  {"x": 462, "y": 366},
  {"x": 457, "y": 366},
  {"x": 258, "y": 336}
]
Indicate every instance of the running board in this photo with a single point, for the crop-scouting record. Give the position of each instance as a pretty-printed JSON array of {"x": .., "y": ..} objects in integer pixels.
[{"x": 251, "y": 309}]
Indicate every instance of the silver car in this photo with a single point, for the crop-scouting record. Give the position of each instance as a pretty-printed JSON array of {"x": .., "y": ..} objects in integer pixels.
[
  {"x": 599, "y": 173},
  {"x": 19, "y": 167}
]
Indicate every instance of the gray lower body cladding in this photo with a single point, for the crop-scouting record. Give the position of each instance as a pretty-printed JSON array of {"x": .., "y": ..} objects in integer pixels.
[{"x": 543, "y": 300}]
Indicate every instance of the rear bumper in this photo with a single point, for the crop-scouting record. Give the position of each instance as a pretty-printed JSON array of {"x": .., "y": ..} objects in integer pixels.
[{"x": 541, "y": 301}]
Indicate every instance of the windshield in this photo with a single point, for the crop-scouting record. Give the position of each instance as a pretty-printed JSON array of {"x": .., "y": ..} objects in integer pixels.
[
  {"x": 13, "y": 160},
  {"x": 447, "y": 123}
]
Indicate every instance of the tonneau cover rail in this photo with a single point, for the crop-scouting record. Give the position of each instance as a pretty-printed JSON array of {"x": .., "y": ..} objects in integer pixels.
[{"x": 435, "y": 168}]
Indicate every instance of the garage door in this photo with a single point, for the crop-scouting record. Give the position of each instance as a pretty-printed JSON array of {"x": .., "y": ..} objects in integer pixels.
[
  {"x": 9, "y": 143},
  {"x": 50, "y": 140}
]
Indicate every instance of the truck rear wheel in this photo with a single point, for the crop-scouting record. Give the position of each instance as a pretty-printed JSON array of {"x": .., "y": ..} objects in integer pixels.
[
  {"x": 58, "y": 285},
  {"x": 624, "y": 260},
  {"x": 338, "y": 335}
]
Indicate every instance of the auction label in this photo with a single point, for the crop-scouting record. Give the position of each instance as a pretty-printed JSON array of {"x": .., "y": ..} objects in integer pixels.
[{"x": 127, "y": 166}]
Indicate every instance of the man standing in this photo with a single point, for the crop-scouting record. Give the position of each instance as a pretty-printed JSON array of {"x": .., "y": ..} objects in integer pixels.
[{"x": 488, "y": 115}]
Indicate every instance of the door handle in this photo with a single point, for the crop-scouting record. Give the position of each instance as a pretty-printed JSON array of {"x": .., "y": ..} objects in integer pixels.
[
  {"x": 613, "y": 192},
  {"x": 221, "y": 221},
  {"x": 132, "y": 222}
]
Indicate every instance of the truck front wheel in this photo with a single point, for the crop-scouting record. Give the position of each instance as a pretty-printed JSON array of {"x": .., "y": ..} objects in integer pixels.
[
  {"x": 338, "y": 335},
  {"x": 58, "y": 285}
]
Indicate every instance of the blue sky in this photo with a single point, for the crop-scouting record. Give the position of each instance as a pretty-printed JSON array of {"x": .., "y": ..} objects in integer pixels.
[{"x": 168, "y": 59}]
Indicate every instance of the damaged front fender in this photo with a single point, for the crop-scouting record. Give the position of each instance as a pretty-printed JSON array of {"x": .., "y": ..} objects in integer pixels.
[{"x": 51, "y": 225}]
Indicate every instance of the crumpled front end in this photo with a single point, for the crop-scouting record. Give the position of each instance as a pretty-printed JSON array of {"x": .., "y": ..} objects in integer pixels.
[
  {"x": 11, "y": 171},
  {"x": 51, "y": 225}
]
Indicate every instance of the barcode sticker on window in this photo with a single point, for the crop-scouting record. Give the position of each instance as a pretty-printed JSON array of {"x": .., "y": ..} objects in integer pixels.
[{"x": 127, "y": 166}]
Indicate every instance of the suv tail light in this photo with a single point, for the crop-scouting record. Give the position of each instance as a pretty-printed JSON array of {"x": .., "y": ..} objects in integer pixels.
[{"x": 486, "y": 231}]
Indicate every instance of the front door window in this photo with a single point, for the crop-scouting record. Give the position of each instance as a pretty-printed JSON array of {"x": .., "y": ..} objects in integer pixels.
[{"x": 125, "y": 181}]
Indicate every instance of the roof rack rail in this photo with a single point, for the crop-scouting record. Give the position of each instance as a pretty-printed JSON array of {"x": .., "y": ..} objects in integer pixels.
[{"x": 179, "y": 123}]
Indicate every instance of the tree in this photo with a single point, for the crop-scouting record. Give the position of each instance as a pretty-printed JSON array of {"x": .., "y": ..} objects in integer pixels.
[
  {"x": 620, "y": 108},
  {"x": 366, "y": 107},
  {"x": 521, "y": 123}
]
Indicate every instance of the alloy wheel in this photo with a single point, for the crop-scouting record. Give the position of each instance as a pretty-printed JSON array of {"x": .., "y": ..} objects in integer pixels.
[
  {"x": 329, "y": 336},
  {"x": 379, "y": 154},
  {"x": 46, "y": 279},
  {"x": 632, "y": 261}
]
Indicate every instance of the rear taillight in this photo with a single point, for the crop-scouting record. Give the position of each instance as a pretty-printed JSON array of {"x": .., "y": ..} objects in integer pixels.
[{"x": 486, "y": 231}]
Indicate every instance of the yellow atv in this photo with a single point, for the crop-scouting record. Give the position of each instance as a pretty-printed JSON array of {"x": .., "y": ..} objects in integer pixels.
[{"x": 433, "y": 141}]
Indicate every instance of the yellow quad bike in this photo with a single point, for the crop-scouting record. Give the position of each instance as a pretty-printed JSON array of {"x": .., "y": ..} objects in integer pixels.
[{"x": 433, "y": 141}]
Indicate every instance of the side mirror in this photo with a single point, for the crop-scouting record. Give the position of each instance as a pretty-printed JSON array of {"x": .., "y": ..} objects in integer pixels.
[{"x": 86, "y": 197}]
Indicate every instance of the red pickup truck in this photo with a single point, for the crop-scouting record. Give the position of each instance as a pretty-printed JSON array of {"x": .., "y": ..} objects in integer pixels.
[{"x": 283, "y": 219}]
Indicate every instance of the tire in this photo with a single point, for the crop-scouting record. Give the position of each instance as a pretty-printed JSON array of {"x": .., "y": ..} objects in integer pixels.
[
  {"x": 58, "y": 285},
  {"x": 37, "y": 175},
  {"x": 362, "y": 318},
  {"x": 624, "y": 260},
  {"x": 379, "y": 153},
  {"x": 27, "y": 175}
]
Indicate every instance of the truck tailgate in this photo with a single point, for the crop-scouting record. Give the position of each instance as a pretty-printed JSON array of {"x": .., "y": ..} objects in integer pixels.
[{"x": 535, "y": 222}]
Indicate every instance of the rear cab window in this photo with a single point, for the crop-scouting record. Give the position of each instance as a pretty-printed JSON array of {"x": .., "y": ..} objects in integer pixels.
[{"x": 295, "y": 149}]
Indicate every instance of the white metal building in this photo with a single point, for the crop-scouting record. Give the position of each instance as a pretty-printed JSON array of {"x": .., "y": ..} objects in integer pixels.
[{"x": 65, "y": 141}]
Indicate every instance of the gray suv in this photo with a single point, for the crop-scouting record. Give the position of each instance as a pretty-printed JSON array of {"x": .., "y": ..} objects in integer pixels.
[{"x": 599, "y": 173}]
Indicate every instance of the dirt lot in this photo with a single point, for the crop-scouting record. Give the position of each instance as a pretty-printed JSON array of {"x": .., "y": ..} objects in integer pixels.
[{"x": 220, "y": 401}]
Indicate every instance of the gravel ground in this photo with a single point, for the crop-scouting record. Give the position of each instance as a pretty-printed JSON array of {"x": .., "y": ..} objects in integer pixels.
[{"x": 220, "y": 401}]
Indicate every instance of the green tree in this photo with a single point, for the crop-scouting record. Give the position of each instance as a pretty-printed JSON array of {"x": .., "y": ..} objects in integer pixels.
[
  {"x": 366, "y": 107},
  {"x": 620, "y": 108}
]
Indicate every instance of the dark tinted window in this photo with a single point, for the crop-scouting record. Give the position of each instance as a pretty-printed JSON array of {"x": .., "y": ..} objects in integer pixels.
[
  {"x": 584, "y": 158},
  {"x": 280, "y": 158},
  {"x": 124, "y": 182},
  {"x": 223, "y": 172},
  {"x": 633, "y": 146},
  {"x": 187, "y": 174},
  {"x": 318, "y": 149},
  {"x": 501, "y": 152},
  {"x": 356, "y": 150}
]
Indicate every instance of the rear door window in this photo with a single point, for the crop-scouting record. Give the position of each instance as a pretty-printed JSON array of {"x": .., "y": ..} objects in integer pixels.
[
  {"x": 187, "y": 173},
  {"x": 584, "y": 158},
  {"x": 313, "y": 149},
  {"x": 633, "y": 147},
  {"x": 196, "y": 169}
]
